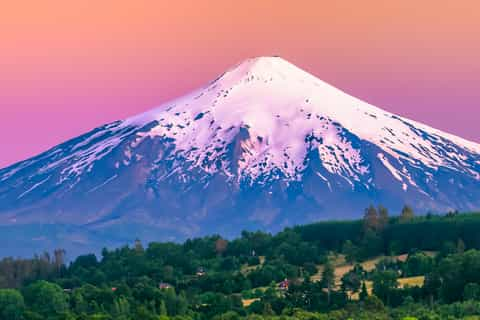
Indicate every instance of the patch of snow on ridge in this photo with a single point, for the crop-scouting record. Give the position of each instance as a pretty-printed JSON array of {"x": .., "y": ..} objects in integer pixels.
[
  {"x": 103, "y": 184},
  {"x": 324, "y": 179},
  {"x": 337, "y": 154},
  {"x": 390, "y": 167},
  {"x": 36, "y": 185},
  {"x": 83, "y": 155},
  {"x": 6, "y": 174}
]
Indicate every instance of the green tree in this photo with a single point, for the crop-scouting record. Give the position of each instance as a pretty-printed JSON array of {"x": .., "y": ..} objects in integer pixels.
[
  {"x": 143, "y": 313},
  {"x": 79, "y": 305},
  {"x": 418, "y": 264},
  {"x": 350, "y": 251},
  {"x": 448, "y": 248},
  {"x": 12, "y": 305},
  {"x": 363, "y": 292},
  {"x": 351, "y": 282},
  {"x": 370, "y": 220},
  {"x": 121, "y": 308},
  {"x": 46, "y": 299},
  {"x": 383, "y": 284},
  {"x": 431, "y": 286},
  {"x": 221, "y": 246},
  {"x": 383, "y": 217},
  {"x": 267, "y": 309},
  {"x": 328, "y": 278},
  {"x": 456, "y": 271},
  {"x": 460, "y": 246},
  {"x": 138, "y": 246},
  {"x": 163, "y": 309},
  {"x": 471, "y": 291},
  {"x": 230, "y": 315},
  {"x": 373, "y": 303},
  {"x": 407, "y": 214}
]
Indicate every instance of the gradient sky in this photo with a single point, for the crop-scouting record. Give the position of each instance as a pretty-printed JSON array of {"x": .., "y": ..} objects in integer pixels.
[{"x": 68, "y": 66}]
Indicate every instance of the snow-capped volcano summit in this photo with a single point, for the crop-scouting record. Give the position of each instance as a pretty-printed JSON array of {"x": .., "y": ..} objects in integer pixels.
[
  {"x": 280, "y": 106},
  {"x": 263, "y": 146}
]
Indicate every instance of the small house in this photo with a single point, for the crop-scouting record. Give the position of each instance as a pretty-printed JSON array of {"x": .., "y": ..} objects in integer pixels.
[
  {"x": 164, "y": 286},
  {"x": 201, "y": 272},
  {"x": 284, "y": 285}
]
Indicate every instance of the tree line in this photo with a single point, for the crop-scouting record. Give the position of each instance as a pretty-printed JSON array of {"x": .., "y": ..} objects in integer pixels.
[{"x": 212, "y": 277}]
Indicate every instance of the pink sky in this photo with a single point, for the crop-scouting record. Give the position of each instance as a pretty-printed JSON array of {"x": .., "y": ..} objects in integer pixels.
[{"x": 66, "y": 68}]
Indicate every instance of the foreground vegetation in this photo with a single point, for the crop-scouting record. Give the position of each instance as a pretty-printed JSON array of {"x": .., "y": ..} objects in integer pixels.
[{"x": 379, "y": 267}]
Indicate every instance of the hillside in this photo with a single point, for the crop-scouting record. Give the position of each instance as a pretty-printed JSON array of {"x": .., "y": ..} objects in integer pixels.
[{"x": 261, "y": 276}]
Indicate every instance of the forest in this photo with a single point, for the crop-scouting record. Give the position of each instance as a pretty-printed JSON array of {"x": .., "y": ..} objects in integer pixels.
[{"x": 382, "y": 266}]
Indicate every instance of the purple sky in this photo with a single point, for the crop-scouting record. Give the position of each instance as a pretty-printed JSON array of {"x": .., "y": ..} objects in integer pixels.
[{"x": 65, "y": 69}]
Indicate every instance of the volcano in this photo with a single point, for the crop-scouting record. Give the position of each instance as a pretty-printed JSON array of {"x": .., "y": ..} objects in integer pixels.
[{"x": 264, "y": 146}]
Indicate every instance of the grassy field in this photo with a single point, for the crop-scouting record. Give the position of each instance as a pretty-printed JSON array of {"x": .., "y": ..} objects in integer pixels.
[
  {"x": 246, "y": 268},
  {"x": 402, "y": 283},
  {"x": 411, "y": 282},
  {"x": 248, "y": 302},
  {"x": 342, "y": 268}
]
